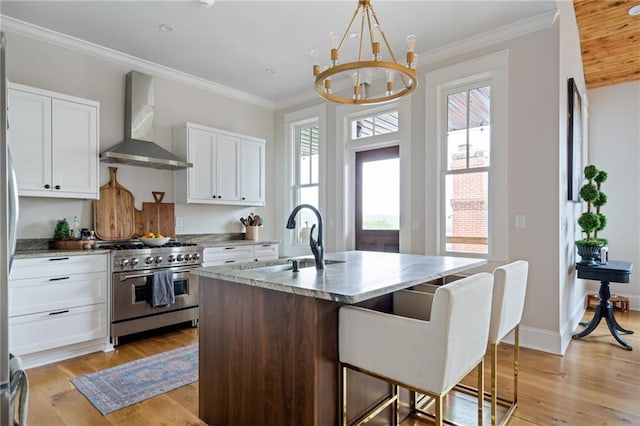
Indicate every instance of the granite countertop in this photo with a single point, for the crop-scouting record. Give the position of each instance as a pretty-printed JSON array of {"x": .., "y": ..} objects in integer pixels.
[
  {"x": 348, "y": 277},
  {"x": 25, "y": 254}
]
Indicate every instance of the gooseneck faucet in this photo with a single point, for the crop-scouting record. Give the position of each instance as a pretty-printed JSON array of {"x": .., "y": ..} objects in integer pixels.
[{"x": 317, "y": 248}]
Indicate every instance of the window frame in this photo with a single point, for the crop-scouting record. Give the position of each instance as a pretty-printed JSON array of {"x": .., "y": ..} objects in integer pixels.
[
  {"x": 446, "y": 91},
  {"x": 492, "y": 70},
  {"x": 293, "y": 122}
]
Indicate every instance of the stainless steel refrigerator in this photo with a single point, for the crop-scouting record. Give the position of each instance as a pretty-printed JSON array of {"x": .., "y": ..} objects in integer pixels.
[{"x": 8, "y": 228}]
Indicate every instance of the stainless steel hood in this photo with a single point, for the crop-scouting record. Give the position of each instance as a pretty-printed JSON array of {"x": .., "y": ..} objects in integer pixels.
[{"x": 138, "y": 148}]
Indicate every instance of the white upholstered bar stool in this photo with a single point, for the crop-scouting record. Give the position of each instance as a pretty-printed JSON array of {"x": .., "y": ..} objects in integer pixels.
[
  {"x": 507, "y": 305},
  {"x": 510, "y": 287},
  {"x": 428, "y": 357}
]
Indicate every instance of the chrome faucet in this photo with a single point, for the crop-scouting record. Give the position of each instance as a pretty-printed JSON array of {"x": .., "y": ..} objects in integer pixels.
[{"x": 317, "y": 248}]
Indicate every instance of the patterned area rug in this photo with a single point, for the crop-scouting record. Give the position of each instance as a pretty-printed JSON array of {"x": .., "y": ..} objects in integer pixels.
[{"x": 127, "y": 384}]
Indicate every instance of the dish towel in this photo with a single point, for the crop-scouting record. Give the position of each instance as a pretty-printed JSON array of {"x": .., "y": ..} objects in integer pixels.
[{"x": 162, "y": 293}]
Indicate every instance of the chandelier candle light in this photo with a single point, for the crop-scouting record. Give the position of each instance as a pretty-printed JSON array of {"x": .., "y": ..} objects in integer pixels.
[{"x": 363, "y": 71}]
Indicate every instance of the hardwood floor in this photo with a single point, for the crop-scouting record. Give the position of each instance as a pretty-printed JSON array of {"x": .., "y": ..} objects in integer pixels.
[{"x": 596, "y": 382}]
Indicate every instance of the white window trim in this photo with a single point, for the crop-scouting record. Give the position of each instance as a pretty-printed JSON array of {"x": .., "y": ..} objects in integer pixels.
[
  {"x": 317, "y": 113},
  {"x": 492, "y": 68},
  {"x": 346, "y": 149}
]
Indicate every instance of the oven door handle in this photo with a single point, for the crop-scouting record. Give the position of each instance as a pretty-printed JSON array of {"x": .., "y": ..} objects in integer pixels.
[{"x": 128, "y": 277}]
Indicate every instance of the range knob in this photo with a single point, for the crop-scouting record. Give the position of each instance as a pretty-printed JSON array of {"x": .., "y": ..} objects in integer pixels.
[
  {"x": 196, "y": 256},
  {"x": 124, "y": 262},
  {"x": 158, "y": 259},
  {"x": 134, "y": 261},
  {"x": 148, "y": 260},
  {"x": 187, "y": 256},
  {"x": 180, "y": 258},
  {"x": 172, "y": 258}
]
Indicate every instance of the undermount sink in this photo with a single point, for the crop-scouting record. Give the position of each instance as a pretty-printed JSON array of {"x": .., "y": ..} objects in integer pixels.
[{"x": 286, "y": 265}]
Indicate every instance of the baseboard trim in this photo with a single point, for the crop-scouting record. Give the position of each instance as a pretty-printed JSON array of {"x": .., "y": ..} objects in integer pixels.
[{"x": 49, "y": 356}]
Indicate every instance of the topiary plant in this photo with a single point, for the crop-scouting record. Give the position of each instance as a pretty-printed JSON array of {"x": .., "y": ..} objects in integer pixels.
[
  {"x": 592, "y": 220},
  {"x": 62, "y": 230}
]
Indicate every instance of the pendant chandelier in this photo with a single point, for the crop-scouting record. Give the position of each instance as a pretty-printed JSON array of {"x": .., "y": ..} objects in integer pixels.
[{"x": 401, "y": 78}]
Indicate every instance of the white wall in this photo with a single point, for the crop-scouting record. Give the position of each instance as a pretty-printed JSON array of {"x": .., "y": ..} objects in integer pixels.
[
  {"x": 614, "y": 146},
  {"x": 40, "y": 64},
  {"x": 571, "y": 290}
]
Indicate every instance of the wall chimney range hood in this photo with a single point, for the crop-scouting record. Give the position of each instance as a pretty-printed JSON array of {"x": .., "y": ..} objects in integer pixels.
[{"x": 138, "y": 148}]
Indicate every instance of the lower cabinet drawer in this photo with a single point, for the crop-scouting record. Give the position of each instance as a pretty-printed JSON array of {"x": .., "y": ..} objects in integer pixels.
[
  {"x": 221, "y": 254},
  {"x": 32, "y": 295},
  {"x": 56, "y": 266},
  {"x": 228, "y": 261},
  {"x": 266, "y": 252},
  {"x": 38, "y": 332}
]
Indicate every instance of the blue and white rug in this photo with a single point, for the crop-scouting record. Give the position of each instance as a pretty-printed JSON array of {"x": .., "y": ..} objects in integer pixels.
[{"x": 127, "y": 384}]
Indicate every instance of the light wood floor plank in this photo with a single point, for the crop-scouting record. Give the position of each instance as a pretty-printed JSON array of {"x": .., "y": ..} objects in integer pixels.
[{"x": 596, "y": 382}]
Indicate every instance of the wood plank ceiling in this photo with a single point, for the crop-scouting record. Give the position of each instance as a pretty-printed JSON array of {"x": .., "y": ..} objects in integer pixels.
[{"x": 610, "y": 41}]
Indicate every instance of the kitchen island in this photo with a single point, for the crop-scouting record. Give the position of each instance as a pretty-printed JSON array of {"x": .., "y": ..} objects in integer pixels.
[{"x": 269, "y": 336}]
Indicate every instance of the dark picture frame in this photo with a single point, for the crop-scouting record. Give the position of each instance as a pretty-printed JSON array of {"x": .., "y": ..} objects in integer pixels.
[{"x": 574, "y": 142}]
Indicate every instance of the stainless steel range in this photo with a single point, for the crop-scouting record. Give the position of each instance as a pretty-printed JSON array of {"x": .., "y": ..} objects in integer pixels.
[{"x": 134, "y": 266}]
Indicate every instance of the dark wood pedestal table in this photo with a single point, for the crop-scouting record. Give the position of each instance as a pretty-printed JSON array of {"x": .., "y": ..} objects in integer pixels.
[{"x": 617, "y": 272}]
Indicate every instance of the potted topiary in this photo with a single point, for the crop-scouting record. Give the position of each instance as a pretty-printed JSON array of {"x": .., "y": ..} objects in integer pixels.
[
  {"x": 63, "y": 237},
  {"x": 592, "y": 220}
]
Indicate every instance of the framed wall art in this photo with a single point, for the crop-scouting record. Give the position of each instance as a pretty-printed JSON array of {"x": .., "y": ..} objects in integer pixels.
[{"x": 574, "y": 142}]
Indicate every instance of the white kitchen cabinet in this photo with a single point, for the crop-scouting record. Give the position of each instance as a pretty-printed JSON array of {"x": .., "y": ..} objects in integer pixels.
[
  {"x": 230, "y": 254},
  {"x": 54, "y": 143},
  {"x": 228, "y": 168},
  {"x": 58, "y": 301},
  {"x": 252, "y": 172}
]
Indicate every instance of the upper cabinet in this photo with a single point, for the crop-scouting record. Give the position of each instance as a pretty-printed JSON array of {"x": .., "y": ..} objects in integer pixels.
[
  {"x": 228, "y": 168},
  {"x": 54, "y": 143}
]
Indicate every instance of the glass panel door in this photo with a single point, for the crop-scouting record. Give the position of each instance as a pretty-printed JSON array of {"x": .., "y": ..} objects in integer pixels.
[{"x": 378, "y": 200}]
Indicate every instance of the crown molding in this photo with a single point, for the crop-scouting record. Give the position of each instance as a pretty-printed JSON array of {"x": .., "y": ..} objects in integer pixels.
[
  {"x": 26, "y": 29},
  {"x": 500, "y": 34}
]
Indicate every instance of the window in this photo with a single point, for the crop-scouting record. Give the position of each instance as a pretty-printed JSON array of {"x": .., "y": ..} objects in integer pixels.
[
  {"x": 303, "y": 174},
  {"x": 466, "y": 182},
  {"x": 466, "y": 128},
  {"x": 306, "y": 184},
  {"x": 373, "y": 126}
]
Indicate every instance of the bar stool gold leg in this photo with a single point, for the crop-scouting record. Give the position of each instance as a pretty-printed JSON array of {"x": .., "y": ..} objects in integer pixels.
[
  {"x": 516, "y": 360},
  {"x": 480, "y": 390},
  {"x": 494, "y": 382},
  {"x": 344, "y": 396},
  {"x": 438, "y": 412}
]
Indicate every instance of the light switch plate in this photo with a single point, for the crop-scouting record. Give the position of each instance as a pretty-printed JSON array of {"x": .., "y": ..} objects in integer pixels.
[{"x": 520, "y": 221}]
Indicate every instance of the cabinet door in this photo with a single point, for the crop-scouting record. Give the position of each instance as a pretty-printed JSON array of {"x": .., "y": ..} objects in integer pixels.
[
  {"x": 252, "y": 172},
  {"x": 74, "y": 149},
  {"x": 48, "y": 330},
  {"x": 29, "y": 138},
  {"x": 227, "y": 166},
  {"x": 201, "y": 149}
]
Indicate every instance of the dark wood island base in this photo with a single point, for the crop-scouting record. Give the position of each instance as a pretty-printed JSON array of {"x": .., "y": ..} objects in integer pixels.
[{"x": 271, "y": 358}]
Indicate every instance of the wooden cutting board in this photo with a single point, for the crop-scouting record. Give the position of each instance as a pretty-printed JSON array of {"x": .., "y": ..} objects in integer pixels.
[
  {"x": 113, "y": 213},
  {"x": 159, "y": 217}
]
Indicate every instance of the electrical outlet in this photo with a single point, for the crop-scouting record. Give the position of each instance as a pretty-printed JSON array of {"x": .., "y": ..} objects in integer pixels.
[{"x": 179, "y": 222}]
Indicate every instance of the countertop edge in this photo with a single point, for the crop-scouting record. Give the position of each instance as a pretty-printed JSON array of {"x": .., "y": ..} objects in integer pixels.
[
  {"x": 227, "y": 274},
  {"x": 27, "y": 254}
]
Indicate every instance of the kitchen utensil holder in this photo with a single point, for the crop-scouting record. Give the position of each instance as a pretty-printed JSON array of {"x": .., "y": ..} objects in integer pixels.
[{"x": 252, "y": 233}]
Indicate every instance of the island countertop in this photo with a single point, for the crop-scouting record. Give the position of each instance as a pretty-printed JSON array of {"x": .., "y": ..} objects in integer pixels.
[{"x": 349, "y": 277}]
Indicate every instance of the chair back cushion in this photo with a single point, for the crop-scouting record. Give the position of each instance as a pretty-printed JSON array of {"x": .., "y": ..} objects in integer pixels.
[
  {"x": 463, "y": 310},
  {"x": 509, "y": 289}
]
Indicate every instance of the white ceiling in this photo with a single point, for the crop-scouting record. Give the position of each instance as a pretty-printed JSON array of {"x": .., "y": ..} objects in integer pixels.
[{"x": 234, "y": 42}]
